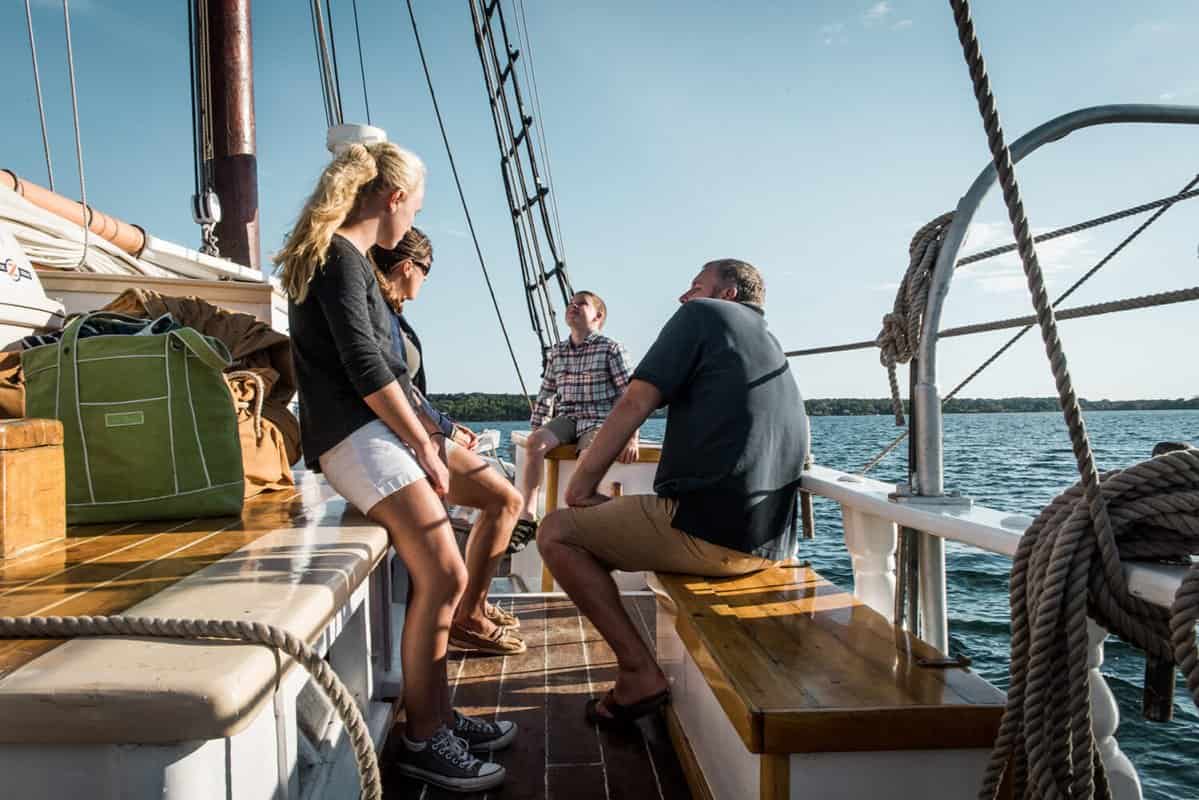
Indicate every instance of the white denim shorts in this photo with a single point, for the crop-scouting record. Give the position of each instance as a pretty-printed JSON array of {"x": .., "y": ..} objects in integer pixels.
[{"x": 369, "y": 465}]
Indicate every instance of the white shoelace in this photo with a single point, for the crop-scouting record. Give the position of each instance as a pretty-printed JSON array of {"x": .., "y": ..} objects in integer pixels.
[{"x": 453, "y": 749}]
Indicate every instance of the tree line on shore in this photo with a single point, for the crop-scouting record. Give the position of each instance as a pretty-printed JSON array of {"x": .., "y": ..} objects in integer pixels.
[{"x": 482, "y": 406}]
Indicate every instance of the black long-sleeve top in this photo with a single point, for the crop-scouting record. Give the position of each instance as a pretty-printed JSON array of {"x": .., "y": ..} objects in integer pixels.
[{"x": 341, "y": 346}]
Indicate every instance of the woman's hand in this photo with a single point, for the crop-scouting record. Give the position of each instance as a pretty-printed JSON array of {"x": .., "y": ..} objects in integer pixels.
[
  {"x": 465, "y": 437},
  {"x": 630, "y": 452},
  {"x": 429, "y": 458}
]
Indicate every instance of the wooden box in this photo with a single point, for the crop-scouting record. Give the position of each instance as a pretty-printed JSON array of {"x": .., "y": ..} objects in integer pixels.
[{"x": 33, "y": 504}]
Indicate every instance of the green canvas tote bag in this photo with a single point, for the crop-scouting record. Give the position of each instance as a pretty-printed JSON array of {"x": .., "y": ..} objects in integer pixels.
[{"x": 149, "y": 427}]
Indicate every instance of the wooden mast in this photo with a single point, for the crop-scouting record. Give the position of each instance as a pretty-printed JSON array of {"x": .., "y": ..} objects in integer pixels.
[{"x": 235, "y": 160}]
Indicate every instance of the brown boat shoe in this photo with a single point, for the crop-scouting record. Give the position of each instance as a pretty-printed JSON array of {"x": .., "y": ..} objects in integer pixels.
[
  {"x": 502, "y": 641},
  {"x": 500, "y": 617}
]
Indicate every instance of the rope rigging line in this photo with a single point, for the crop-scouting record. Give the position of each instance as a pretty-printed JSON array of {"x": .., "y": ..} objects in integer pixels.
[
  {"x": 544, "y": 140},
  {"x": 1046, "y": 736},
  {"x": 1162, "y": 204},
  {"x": 1162, "y": 208},
  {"x": 523, "y": 184},
  {"x": 1166, "y": 202},
  {"x": 510, "y": 140},
  {"x": 37, "y": 86},
  {"x": 330, "y": 90},
  {"x": 87, "y": 212},
  {"x": 465, "y": 209},
  {"x": 366, "y": 100},
  {"x": 224, "y": 630}
]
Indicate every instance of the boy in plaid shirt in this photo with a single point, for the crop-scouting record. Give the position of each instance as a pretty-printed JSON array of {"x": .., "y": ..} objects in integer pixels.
[{"x": 584, "y": 377}]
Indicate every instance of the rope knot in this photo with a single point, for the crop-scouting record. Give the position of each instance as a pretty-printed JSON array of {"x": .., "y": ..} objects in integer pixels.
[{"x": 899, "y": 339}]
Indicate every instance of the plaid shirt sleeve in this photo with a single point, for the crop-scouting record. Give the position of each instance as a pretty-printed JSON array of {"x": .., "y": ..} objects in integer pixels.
[
  {"x": 545, "y": 397},
  {"x": 618, "y": 367}
]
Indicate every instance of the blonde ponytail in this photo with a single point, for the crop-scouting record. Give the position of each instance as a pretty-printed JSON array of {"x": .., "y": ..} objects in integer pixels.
[{"x": 356, "y": 173}]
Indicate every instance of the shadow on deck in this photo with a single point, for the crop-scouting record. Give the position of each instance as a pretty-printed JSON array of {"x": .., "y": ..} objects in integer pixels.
[{"x": 557, "y": 754}]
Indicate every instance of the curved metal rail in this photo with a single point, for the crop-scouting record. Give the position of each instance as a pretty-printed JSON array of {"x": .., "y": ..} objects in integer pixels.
[{"x": 926, "y": 402}]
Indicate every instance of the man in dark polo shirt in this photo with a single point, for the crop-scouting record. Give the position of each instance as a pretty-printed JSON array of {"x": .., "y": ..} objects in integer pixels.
[{"x": 736, "y": 439}]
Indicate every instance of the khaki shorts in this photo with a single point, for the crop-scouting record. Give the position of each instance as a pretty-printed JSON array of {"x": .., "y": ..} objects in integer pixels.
[
  {"x": 565, "y": 430},
  {"x": 633, "y": 533}
]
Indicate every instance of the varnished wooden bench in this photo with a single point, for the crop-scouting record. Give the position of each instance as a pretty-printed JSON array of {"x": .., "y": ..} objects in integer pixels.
[
  {"x": 786, "y": 686},
  {"x": 152, "y": 718}
]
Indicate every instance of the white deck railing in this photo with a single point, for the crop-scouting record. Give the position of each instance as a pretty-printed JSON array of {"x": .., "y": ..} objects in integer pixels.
[{"x": 871, "y": 523}]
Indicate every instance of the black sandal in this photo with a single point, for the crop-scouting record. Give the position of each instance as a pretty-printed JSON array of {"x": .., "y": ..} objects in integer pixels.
[
  {"x": 623, "y": 716},
  {"x": 523, "y": 532}
]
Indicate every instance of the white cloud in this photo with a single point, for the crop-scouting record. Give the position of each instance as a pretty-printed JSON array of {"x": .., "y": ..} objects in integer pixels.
[
  {"x": 903, "y": 24},
  {"x": 1166, "y": 96},
  {"x": 1005, "y": 273},
  {"x": 877, "y": 12}
]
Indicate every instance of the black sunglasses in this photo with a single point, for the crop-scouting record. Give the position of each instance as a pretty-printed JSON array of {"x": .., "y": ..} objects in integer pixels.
[{"x": 425, "y": 266}]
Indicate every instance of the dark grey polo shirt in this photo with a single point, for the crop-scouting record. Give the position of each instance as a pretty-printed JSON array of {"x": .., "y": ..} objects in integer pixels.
[{"x": 736, "y": 430}]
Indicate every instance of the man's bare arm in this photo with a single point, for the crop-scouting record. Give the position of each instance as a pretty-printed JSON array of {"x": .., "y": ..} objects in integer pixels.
[{"x": 634, "y": 407}]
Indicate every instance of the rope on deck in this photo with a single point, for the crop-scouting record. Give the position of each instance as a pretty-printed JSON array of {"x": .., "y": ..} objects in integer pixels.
[
  {"x": 230, "y": 630},
  {"x": 1068, "y": 565}
]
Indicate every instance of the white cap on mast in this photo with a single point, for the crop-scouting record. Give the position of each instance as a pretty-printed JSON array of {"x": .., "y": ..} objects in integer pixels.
[{"x": 342, "y": 136}]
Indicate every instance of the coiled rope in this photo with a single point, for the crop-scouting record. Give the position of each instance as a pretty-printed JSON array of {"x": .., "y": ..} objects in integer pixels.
[
  {"x": 229, "y": 630},
  {"x": 1056, "y": 579},
  {"x": 900, "y": 337}
]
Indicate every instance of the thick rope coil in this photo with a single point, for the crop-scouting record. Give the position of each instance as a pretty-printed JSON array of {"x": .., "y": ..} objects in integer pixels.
[
  {"x": 899, "y": 339},
  {"x": 1046, "y": 734},
  {"x": 1154, "y": 508},
  {"x": 233, "y": 630}
]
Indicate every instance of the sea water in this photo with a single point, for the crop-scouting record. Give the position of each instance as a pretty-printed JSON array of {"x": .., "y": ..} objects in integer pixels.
[{"x": 1015, "y": 463}]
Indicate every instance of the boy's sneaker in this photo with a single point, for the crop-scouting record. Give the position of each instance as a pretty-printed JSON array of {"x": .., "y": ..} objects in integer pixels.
[
  {"x": 482, "y": 736},
  {"x": 443, "y": 761}
]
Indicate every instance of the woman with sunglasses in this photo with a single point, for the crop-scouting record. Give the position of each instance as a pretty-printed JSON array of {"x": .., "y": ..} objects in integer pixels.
[{"x": 477, "y": 624}]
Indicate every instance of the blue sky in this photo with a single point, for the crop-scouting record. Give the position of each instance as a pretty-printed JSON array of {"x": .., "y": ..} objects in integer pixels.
[{"x": 811, "y": 139}]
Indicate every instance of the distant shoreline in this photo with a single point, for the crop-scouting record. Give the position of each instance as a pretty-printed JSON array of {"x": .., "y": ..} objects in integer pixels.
[{"x": 483, "y": 406}]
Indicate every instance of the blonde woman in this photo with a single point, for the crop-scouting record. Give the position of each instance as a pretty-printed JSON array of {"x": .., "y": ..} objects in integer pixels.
[
  {"x": 360, "y": 431},
  {"x": 478, "y": 625}
]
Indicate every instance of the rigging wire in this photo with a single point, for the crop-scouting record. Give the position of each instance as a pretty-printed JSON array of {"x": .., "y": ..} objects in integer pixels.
[
  {"x": 544, "y": 141},
  {"x": 361, "y": 64},
  {"x": 333, "y": 50},
  {"x": 527, "y": 199},
  {"x": 1164, "y": 203},
  {"x": 87, "y": 212},
  {"x": 329, "y": 84},
  {"x": 37, "y": 85},
  {"x": 465, "y": 209},
  {"x": 1164, "y": 206},
  {"x": 205, "y": 202}
]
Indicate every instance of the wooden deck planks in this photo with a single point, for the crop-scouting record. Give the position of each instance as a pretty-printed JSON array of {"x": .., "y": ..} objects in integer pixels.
[{"x": 557, "y": 753}]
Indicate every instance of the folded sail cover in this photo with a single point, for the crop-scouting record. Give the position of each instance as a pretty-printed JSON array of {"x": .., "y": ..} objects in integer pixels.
[{"x": 150, "y": 430}]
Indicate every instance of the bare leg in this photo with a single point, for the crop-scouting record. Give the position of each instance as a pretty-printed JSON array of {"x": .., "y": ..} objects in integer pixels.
[
  {"x": 421, "y": 534},
  {"x": 540, "y": 442},
  {"x": 476, "y": 485},
  {"x": 589, "y": 584}
]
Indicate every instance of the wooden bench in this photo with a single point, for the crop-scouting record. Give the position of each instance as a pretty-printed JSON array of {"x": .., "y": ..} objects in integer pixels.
[
  {"x": 142, "y": 718},
  {"x": 786, "y": 686}
]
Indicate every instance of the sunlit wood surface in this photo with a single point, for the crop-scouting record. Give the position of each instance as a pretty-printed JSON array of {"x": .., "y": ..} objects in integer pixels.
[
  {"x": 106, "y": 569},
  {"x": 800, "y": 665}
]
